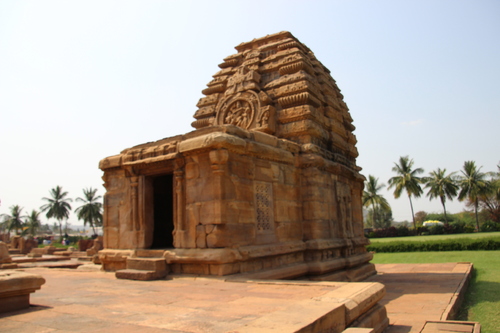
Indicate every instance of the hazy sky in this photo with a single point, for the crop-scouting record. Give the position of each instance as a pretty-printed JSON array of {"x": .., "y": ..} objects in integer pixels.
[{"x": 83, "y": 80}]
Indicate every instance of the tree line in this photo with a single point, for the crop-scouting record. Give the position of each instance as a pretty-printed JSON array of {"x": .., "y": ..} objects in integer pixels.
[
  {"x": 479, "y": 190},
  {"x": 58, "y": 207}
]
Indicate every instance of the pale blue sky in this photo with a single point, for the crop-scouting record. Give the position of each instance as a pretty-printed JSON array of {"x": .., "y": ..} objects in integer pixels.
[{"x": 83, "y": 80}]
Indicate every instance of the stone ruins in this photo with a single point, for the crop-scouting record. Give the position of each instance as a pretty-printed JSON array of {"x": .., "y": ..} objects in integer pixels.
[{"x": 266, "y": 186}]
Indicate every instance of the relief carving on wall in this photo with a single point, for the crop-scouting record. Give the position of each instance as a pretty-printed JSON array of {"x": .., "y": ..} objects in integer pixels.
[
  {"x": 344, "y": 202},
  {"x": 246, "y": 110},
  {"x": 244, "y": 79},
  {"x": 239, "y": 113}
]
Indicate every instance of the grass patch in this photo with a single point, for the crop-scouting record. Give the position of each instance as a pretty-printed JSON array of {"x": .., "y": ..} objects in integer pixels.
[
  {"x": 476, "y": 235},
  {"x": 482, "y": 301}
]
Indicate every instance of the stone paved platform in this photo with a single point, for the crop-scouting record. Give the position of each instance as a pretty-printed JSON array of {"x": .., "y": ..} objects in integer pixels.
[
  {"x": 73, "y": 301},
  {"x": 77, "y": 300},
  {"x": 417, "y": 293}
]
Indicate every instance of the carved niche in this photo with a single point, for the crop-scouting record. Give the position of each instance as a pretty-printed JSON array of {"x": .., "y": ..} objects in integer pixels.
[{"x": 344, "y": 202}]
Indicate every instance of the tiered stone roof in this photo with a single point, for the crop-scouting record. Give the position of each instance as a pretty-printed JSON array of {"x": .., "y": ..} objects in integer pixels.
[{"x": 276, "y": 85}]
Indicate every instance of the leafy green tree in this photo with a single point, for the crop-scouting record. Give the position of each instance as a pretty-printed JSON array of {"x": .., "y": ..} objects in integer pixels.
[
  {"x": 490, "y": 202},
  {"x": 14, "y": 221},
  {"x": 57, "y": 206},
  {"x": 372, "y": 197},
  {"x": 441, "y": 186},
  {"x": 384, "y": 218},
  {"x": 407, "y": 180},
  {"x": 91, "y": 210},
  {"x": 32, "y": 223},
  {"x": 473, "y": 184},
  {"x": 421, "y": 217},
  {"x": 496, "y": 183}
]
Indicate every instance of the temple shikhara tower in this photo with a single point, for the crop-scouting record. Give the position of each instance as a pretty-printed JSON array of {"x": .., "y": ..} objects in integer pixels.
[{"x": 266, "y": 186}]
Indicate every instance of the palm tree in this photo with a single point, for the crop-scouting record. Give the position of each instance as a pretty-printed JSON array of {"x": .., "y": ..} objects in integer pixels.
[
  {"x": 473, "y": 184},
  {"x": 371, "y": 197},
  {"x": 91, "y": 211},
  {"x": 57, "y": 206},
  {"x": 14, "y": 220},
  {"x": 441, "y": 186},
  {"x": 33, "y": 223},
  {"x": 407, "y": 179}
]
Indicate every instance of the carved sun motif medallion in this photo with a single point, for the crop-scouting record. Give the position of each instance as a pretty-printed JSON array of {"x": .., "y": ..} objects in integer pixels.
[
  {"x": 239, "y": 110},
  {"x": 239, "y": 113}
]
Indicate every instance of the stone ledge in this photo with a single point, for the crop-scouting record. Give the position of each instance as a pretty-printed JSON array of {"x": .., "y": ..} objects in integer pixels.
[
  {"x": 286, "y": 272},
  {"x": 459, "y": 294},
  {"x": 451, "y": 327},
  {"x": 259, "y": 251},
  {"x": 205, "y": 256},
  {"x": 231, "y": 142}
]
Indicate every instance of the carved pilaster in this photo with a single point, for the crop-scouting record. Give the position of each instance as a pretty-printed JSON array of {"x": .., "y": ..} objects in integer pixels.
[
  {"x": 133, "y": 223},
  {"x": 105, "y": 220},
  {"x": 179, "y": 204},
  {"x": 134, "y": 189}
]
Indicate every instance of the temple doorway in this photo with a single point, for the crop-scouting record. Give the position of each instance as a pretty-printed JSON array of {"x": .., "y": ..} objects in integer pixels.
[{"x": 163, "y": 212}]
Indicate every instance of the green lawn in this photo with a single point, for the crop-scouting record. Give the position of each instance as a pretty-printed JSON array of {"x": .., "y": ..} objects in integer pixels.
[
  {"x": 435, "y": 237},
  {"x": 482, "y": 302}
]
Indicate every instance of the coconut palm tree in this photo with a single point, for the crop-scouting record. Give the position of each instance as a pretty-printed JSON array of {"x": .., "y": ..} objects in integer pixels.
[
  {"x": 91, "y": 211},
  {"x": 32, "y": 223},
  {"x": 371, "y": 197},
  {"x": 58, "y": 206},
  {"x": 441, "y": 186},
  {"x": 408, "y": 180},
  {"x": 473, "y": 184},
  {"x": 14, "y": 221}
]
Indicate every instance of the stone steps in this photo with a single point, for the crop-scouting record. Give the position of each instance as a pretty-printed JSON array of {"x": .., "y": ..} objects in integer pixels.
[{"x": 144, "y": 269}]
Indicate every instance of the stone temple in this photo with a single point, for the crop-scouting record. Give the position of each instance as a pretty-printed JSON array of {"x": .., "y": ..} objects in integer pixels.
[{"x": 266, "y": 186}]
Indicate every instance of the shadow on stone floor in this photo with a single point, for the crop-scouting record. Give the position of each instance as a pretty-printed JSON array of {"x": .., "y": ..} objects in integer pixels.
[{"x": 32, "y": 308}]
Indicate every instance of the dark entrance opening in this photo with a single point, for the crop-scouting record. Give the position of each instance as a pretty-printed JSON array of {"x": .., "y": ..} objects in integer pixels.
[{"x": 163, "y": 211}]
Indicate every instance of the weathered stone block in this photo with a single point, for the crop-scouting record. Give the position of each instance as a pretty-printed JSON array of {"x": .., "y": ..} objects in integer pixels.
[
  {"x": 239, "y": 212},
  {"x": 229, "y": 235},
  {"x": 147, "y": 264},
  {"x": 244, "y": 190},
  {"x": 315, "y": 210},
  {"x": 224, "y": 269},
  {"x": 316, "y": 229},
  {"x": 4, "y": 254},
  {"x": 286, "y": 192},
  {"x": 290, "y": 231},
  {"x": 201, "y": 236},
  {"x": 198, "y": 269},
  {"x": 264, "y": 173},
  {"x": 141, "y": 275},
  {"x": 15, "y": 288},
  {"x": 192, "y": 170}
]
